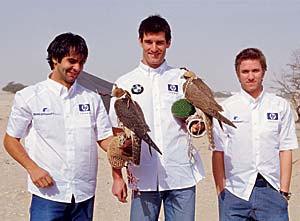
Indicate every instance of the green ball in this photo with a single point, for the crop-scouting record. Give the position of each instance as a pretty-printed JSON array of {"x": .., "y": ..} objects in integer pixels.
[{"x": 182, "y": 108}]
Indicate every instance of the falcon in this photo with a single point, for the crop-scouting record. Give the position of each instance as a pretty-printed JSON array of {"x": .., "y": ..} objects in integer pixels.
[
  {"x": 202, "y": 98},
  {"x": 132, "y": 120}
]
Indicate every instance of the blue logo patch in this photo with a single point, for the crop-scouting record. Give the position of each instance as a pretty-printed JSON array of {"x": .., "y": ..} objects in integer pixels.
[
  {"x": 137, "y": 89},
  {"x": 84, "y": 107},
  {"x": 272, "y": 116},
  {"x": 173, "y": 87}
]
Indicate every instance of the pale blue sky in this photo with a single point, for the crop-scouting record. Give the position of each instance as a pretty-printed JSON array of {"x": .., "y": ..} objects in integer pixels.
[{"x": 206, "y": 35}]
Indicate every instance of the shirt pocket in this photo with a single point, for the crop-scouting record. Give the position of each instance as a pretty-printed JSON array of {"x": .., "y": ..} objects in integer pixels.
[
  {"x": 49, "y": 126},
  {"x": 84, "y": 131},
  {"x": 83, "y": 121},
  {"x": 242, "y": 124},
  {"x": 168, "y": 99},
  {"x": 270, "y": 131},
  {"x": 237, "y": 138}
]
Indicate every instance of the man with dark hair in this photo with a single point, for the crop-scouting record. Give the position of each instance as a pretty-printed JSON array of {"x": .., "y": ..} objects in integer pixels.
[
  {"x": 170, "y": 178},
  {"x": 62, "y": 122},
  {"x": 252, "y": 164}
]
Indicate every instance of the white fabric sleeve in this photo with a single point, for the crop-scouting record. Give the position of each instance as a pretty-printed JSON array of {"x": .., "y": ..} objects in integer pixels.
[
  {"x": 20, "y": 117},
  {"x": 287, "y": 135},
  {"x": 103, "y": 128},
  {"x": 219, "y": 136}
]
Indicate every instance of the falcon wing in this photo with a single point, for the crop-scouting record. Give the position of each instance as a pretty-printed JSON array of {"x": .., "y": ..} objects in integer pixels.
[
  {"x": 132, "y": 117},
  {"x": 201, "y": 96}
]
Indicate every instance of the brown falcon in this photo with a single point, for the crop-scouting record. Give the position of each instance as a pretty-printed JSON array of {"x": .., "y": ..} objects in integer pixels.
[
  {"x": 202, "y": 98},
  {"x": 132, "y": 120}
]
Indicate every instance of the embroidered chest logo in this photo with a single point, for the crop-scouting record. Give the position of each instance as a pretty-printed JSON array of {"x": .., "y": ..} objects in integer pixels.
[
  {"x": 236, "y": 119},
  {"x": 84, "y": 107},
  {"x": 272, "y": 116},
  {"x": 137, "y": 89},
  {"x": 45, "y": 112},
  {"x": 173, "y": 88}
]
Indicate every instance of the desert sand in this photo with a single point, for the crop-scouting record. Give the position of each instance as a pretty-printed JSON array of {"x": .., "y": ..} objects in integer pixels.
[{"x": 15, "y": 200}]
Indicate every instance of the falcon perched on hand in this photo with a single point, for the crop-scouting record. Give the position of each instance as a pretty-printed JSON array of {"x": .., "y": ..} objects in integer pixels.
[
  {"x": 131, "y": 119},
  {"x": 202, "y": 98}
]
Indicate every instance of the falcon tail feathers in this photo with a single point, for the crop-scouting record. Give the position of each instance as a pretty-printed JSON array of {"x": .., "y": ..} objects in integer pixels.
[
  {"x": 223, "y": 119},
  {"x": 151, "y": 143},
  {"x": 136, "y": 149}
]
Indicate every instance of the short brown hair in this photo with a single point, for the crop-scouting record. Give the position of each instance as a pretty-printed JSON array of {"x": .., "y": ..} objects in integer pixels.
[{"x": 250, "y": 54}]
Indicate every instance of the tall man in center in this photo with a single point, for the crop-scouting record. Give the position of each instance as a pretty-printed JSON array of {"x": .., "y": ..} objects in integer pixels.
[{"x": 170, "y": 178}]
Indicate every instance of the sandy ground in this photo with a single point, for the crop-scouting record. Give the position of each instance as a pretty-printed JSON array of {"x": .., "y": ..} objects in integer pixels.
[{"x": 15, "y": 200}]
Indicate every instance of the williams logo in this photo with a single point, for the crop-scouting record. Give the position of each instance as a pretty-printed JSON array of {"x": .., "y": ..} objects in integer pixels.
[
  {"x": 84, "y": 107},
  {"x": 172, "y": 87},
  {"x": 272, "y": 116},
  {"x": 45, "y": 112},
  {"x": 236, "y": 119}
]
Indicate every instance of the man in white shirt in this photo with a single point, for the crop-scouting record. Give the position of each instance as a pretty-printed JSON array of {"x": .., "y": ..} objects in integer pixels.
[
  {"x": 62, "y": 122},
  {"x": 252, "y": 164},
  {"x": 171, "y": 177}
]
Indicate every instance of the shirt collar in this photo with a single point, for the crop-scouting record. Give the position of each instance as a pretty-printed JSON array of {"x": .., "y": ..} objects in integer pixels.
[
  {"x": 161, "y": 69},
  {"x": 59, "y": 89},
  {"x": 249, "y": 99}
]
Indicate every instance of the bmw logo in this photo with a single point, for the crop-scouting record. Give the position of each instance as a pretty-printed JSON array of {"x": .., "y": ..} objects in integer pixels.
[{"x": 137, "y": 89}]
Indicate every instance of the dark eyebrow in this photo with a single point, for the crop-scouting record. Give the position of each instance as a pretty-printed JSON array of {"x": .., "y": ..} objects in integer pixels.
[
  {"x": 245, "y": 70},
  {"x": 72, "y": 60}
]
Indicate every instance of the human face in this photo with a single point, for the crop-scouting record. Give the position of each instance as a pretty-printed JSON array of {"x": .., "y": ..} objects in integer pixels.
[
  {"x": 68, "y": 69},
  {"x": 154, "y": 48},
  {"x": 250, "y": 75}
]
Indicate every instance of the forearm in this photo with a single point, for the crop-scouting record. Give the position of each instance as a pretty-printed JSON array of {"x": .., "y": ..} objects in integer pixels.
[
  {"x": 218, "y": 170},
  {"x": 119, "y": 188},
  {"x": 117, "y": 174},
  {"x": 285, "y": 169},
  {"x": 104, "y": 144},
  {"x": 40, "y": 177},
  {"x": 16, "y": 150}
]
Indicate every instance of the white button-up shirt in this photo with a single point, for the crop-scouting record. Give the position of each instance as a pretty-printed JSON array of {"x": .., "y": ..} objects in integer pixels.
[
  {"x": 61, "y": 129},
  {"x": 265, "y": 126},
  {"x": 156, "y": 90}
]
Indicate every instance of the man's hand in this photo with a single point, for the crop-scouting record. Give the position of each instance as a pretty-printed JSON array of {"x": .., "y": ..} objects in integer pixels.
[
  {"x": 119, "y": 188},
  {"x": 40, "y": 177}
]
